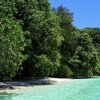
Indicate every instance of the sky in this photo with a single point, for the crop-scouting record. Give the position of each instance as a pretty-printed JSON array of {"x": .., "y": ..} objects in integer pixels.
[{"x": 86, "y": 13}]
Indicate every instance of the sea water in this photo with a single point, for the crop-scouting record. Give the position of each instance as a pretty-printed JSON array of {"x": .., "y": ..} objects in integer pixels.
[{"x": 80, "y": 89}]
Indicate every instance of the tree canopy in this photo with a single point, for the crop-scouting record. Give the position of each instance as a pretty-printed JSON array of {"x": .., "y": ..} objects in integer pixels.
[
  {"x": 11, "y": 43},
  {"x": 36, "y": 41}
]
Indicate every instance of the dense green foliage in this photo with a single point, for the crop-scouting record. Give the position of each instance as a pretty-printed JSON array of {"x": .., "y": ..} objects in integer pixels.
[
  {"x": 95, "y": 34},
  {"x": 11, "y": 43},
  {"x": 79, "y": 56},
  {"x": 68, "y": 32},
  {"x": 84, "y": 61},
  {"x": 54, "y": 47},
  {"x": 45, "y": 36}
]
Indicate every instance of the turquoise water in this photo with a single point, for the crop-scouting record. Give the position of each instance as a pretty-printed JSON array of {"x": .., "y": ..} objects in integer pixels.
[{"x": 82, "y": 89}]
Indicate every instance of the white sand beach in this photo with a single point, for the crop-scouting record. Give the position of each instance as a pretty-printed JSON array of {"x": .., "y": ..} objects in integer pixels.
[{"x": 16, "y": 86}]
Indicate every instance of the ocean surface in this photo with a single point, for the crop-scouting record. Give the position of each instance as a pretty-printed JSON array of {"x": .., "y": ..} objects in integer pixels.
[{"x": 81, "y": 89}]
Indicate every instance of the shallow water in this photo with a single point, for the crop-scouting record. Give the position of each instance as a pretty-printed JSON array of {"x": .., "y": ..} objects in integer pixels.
[{"x": 82, "y": 89}]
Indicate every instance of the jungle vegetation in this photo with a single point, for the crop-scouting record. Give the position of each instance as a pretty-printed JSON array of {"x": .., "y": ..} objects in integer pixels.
[{"x": 38, "y": 41}]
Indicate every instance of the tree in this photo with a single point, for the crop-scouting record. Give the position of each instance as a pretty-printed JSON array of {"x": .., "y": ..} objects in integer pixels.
[
  {"x": 68, "y": 31},
  {"x": 84, "y": 62},
  {"x": 43, "y": 25},
  {"x": 11, "y": 43},
  {"x": 95, "y": 34}
]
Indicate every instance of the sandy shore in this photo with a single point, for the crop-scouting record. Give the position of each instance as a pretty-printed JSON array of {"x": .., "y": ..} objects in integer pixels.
[
  {"x": 16, "y": 86},
  {"x": 57, "y": 80}
]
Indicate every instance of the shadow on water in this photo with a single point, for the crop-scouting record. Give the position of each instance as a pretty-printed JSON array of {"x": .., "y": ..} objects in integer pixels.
[{"x": 7, "y": 96}]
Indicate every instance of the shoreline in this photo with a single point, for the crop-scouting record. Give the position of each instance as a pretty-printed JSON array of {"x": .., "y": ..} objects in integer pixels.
[{"x": 16, "y": 86}]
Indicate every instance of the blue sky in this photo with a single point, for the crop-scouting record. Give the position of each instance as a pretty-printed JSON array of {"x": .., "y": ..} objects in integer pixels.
[{"x": 86, "y": 12}]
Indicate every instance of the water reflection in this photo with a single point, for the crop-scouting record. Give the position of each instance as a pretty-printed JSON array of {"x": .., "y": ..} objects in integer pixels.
[{"x": 7, "y": 96}]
